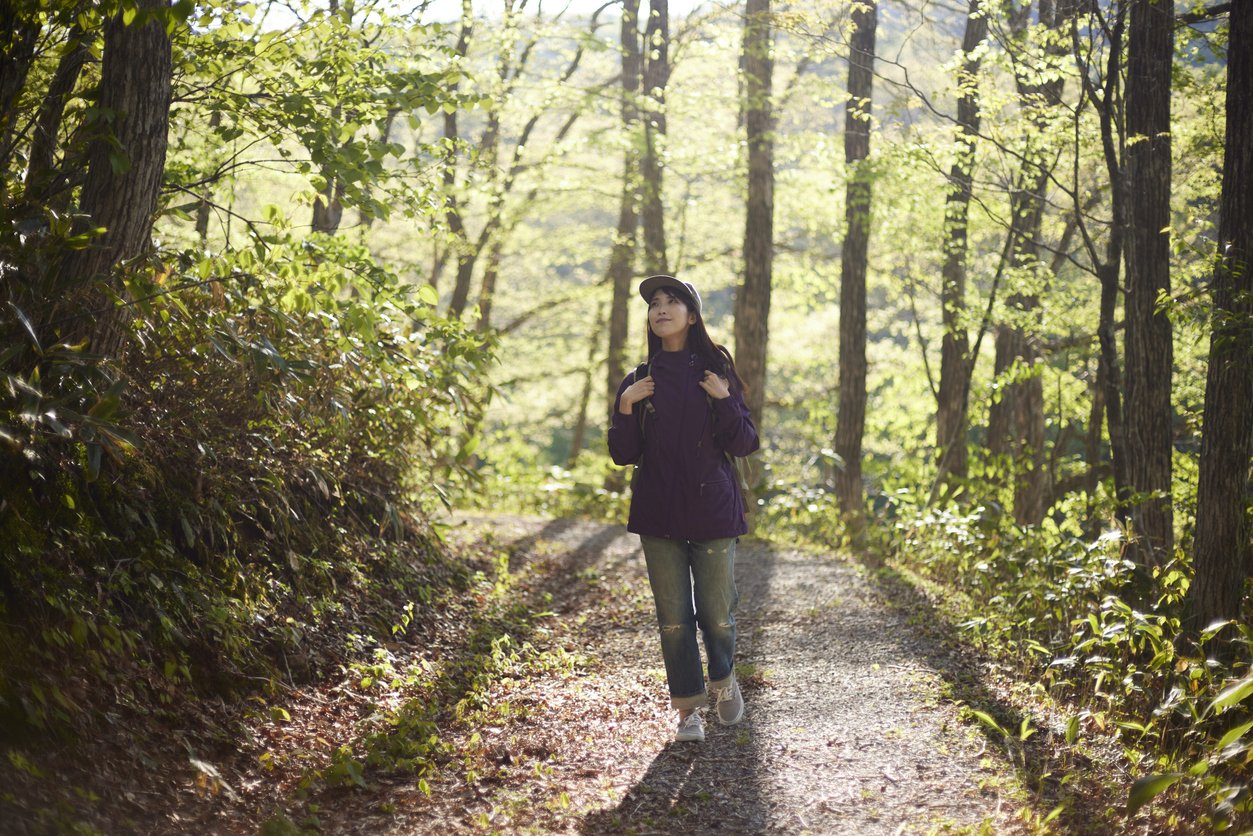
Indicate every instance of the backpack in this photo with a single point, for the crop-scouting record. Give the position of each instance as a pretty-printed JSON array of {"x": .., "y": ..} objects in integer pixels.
[{"x": 739, "y": 464}]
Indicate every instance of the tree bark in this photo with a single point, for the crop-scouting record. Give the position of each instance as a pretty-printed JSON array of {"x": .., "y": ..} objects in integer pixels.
[
  {"x": 1224, "y": 557},
  {"x": 656, "y": 76},
  {"x": 955, "y": 366},
  {"x": 1016, "y": 420},
  {"x": 622, "y": 255},
  {"x": 851, "y": 417},
  {"x": 585, "y": 398},
  {"x": 1149, "y": 351},
  {"x": 452, "y": 212},
  {"x": 38, "y": 185},
  {"x": 752, "y": 303},
  {"x": 1108, "y": 267},
  {"x": 121, "y": 189},
  {"x": 20, "y": 26}
]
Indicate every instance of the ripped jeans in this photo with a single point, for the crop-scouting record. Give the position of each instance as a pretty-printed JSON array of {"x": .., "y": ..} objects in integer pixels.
[{"x": 693, "y": 583}]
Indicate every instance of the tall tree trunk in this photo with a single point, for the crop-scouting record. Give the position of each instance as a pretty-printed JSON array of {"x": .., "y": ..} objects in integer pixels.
[
  {"x": 1016, "y": 419},
  {"x": 1224, "y": 557},
  {"x": 955, "y": 366},
  {"x": 1148, "y": 338},
  {"x": 851, "y": 417},
  {"x": 1109, "y": 266},
  {"x": 622, "y": 255},
  {"x": 752, "y": 303},
  {"x": 135, "y": 83},
  {"x": 656, "y": 77}
]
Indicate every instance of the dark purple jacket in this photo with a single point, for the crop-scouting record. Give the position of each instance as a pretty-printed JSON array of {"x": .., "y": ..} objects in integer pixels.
[{"x": 684, "y": 487}]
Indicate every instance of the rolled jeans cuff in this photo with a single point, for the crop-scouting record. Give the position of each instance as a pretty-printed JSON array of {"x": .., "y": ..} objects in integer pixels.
[{"x": 694, "y": 701}]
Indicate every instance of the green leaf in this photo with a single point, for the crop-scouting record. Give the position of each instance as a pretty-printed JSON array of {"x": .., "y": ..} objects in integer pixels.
[
  {"x": 987, "y": 720},
  {"x": 1072, "y": 730},
  {"x": 1233, "y": 694},
  {"x": 428, "y": 295},
  {"x": 30, "y": 329},
  {"x": 1233, "y": 735},
  {"x": 1149, "y": 787}
]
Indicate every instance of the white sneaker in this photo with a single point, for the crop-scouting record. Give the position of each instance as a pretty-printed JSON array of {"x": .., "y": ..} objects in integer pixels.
[
  {"x": 730, "y": 706},
  {"x": 691, "y": 729}
]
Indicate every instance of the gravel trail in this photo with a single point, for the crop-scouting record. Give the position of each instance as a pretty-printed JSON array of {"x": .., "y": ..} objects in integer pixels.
[{"x": 846, "y": 730}]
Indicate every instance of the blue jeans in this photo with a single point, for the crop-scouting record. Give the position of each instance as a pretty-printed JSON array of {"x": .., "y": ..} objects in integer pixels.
[{"x": 693, "y": 583}]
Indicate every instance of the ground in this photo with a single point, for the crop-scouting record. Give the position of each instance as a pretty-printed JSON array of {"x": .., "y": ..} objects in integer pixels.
[
  {"x": 858, "y": 718},
  {"x": 845, "y": 731}
]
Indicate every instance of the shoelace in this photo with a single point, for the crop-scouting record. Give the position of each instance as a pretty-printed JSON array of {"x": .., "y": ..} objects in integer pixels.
[
  {"x": 692, "y": 719},
  {"x": 725, "y": 694}
]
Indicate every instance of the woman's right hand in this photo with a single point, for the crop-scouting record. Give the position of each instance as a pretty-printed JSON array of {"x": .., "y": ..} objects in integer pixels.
[{"x": 636, "y": 392}]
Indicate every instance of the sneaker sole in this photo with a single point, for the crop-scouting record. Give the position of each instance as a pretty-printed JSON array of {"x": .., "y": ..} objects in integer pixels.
[{"x": 689, "y": 738}]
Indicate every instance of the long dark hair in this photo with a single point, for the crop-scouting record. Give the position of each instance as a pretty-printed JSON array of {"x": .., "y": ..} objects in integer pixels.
[{"x": 716, "y": 358}]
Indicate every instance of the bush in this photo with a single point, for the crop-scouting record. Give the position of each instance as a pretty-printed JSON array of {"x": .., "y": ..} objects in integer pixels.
[{"x": 191, "y": 514}]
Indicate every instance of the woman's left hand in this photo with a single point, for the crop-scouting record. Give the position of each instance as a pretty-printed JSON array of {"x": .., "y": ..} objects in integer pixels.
[{"x": 716, "y": 387}]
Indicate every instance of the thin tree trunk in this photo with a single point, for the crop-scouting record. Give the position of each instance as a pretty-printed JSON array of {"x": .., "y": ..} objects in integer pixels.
[
  {"x": 585, "y": 399},
  {"x": 656, "y": 77},
  {"x": 452, "y": 213},
  {"x": 1016, "y": 420},
  {"x": 203, "y": 210},
  {"x": 38, "y": 185},
  {"x": 955, "y": 369},
  {"x": 490, "y": 274},
  {"x": 1224, "y": 557},
  {"x": 19, "y": 33},
  {"x": 1148, "y": 339},
  {"x": 622, "y": 256},
  {"x": 752, "y": 303},
  {"x": 851, "y": 418},
  {"x": 135, "y": 84},
  {"x": 1108, "y": 268},
  {"x": 328, "y": 206}
]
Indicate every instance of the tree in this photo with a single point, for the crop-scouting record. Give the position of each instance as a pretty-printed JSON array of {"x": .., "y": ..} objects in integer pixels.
[
  {"x": 752, "y": 302},
  {"x": 622, "y": 256},
  {"x": 1016, "y": 420},
  {"x": 126, "y": 160},
  {"x": 851, "y": 417},
  {"x": 1149, "y": 349},
  {"x": 656, "y": 77},
  {"x": 1104, "y": 92},
  {"x": 1223, "y": 557},
  {"x": 955, "y": 362}
]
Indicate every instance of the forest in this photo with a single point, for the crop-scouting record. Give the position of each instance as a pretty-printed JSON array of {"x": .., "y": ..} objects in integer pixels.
[{"x": 294, "y": 288}]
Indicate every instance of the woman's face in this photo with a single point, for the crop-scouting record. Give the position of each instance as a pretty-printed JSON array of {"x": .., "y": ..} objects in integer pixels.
[{"x": 669, "y": 317}]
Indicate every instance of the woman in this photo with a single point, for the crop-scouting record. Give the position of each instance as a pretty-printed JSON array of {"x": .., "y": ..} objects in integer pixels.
[{"x": 678, "y": 418}]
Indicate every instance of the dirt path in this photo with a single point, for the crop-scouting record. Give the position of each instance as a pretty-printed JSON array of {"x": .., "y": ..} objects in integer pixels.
[{"x": 846, "y": 729}]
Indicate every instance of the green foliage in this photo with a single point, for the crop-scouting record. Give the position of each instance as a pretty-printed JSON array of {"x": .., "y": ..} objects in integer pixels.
[
  {"x": 291, "y": 404},
  {"x": 1054, "y": 600}
]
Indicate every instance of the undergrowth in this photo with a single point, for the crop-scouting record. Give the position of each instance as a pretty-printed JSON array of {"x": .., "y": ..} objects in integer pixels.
[
  {"x": 213, "y": 515},
  {"x": 1057, "y": 604}
]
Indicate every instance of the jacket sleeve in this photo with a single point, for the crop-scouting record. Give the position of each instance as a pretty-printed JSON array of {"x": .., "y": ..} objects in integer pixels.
[
  {"x": 626, "y": 441},
  {"x": 733, "y": 425}
]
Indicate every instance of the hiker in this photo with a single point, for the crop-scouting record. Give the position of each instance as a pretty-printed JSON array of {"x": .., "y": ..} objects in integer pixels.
[{"x": 679, "y": 418}]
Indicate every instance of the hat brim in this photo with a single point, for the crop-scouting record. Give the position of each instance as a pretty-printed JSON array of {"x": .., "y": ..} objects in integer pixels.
[{"x": 652, "y": 284}]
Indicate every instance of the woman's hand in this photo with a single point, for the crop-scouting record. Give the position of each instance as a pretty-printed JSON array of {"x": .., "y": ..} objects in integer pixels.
[
  {"x": 716, "y": 387},
  {"x": 636, "y": 392}
]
